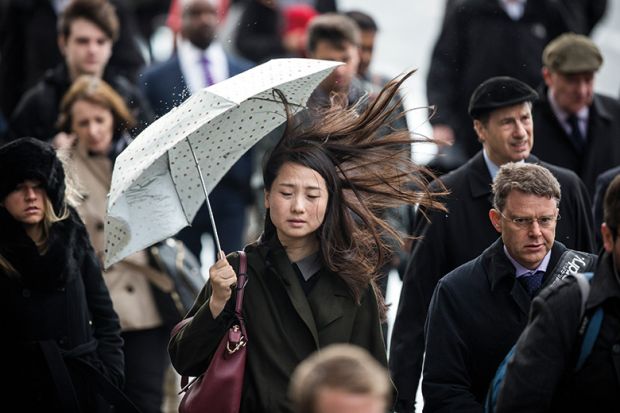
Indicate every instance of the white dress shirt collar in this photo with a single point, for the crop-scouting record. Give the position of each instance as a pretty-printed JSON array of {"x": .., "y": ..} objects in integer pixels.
[
  {"x": 513, "y": 8},
  {"x": 191, "y": 67},
  {"x": 493, "y": 169}
]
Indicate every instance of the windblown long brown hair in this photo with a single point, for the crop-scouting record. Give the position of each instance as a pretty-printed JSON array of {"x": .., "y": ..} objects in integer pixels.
[{"x": 367, "y": 171}]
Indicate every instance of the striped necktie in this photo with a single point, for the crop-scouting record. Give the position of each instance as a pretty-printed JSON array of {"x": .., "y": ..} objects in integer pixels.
[{"x": 204, "y": 61}]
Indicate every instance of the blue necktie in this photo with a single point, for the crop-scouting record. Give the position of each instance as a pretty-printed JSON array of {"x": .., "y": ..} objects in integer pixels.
[
  {"x": 532, "y": 282},
  {"x": 575, "y": 133}
]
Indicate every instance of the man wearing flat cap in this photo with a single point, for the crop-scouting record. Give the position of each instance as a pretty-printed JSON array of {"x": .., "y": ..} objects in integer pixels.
[
  {"x": 501, "y": 112},
  {"x": 577, "y": 128}
]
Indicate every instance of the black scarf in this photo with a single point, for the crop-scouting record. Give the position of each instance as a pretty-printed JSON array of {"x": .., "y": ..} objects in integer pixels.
[{"x": 36, "y": 271}]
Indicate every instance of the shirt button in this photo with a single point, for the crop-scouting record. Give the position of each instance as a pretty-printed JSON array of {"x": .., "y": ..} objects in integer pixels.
[
  {"x": 26, "y": 293},
  {"x": 616, "y": 348}
]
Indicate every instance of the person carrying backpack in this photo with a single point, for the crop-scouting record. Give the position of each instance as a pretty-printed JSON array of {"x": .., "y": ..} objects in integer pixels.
[{"x": 544, "y": 374}]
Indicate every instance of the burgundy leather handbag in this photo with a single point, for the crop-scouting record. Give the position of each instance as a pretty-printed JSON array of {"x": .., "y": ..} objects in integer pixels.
[{"x": 219, "y": 388}]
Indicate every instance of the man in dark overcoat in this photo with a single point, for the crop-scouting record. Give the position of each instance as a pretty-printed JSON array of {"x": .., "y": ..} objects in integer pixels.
[
  {"x": 579, "y": 129},
  {"x": 478, "y": 310},
  {"x": 480, "y": 39},
  {"x": 453, "y": 238},
  {"x": 543, "y": 376}
]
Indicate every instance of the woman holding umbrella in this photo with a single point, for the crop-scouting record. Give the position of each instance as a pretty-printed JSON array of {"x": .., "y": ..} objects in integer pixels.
[
  {"x": 98, "y": 120},
  {"x": 62, "y": 346},
  {"x": 312, "y": 274}
]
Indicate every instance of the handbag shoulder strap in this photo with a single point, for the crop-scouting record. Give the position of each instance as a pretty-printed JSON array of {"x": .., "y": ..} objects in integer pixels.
[{"x": 242, "y": 280}]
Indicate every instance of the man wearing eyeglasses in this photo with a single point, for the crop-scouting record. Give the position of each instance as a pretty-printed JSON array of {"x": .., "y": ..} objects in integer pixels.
[
  {"x": 543, "y": 352},
  {"x": 500, "y": 109},
  {"x": 478, "y": 310}
]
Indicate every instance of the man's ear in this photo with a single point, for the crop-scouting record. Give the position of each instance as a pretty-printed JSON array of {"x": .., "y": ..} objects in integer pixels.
[
  {"x": 496, "y": 219},
  {"x": 546, "y": 73},
  {"x": 62, "y": 42},
  {"x": 479, "y": 128},
  {"x": 608, "y": 237}
]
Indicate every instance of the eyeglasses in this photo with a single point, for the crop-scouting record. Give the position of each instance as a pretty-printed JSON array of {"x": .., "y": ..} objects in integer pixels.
[{"x": 545, "y": 221}]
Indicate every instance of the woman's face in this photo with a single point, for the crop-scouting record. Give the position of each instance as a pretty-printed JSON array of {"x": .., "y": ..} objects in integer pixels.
[
  {"x": 297, "y": 201},
  {"x": 93, "y": 125},
  {"x": 26, "y": 203}
]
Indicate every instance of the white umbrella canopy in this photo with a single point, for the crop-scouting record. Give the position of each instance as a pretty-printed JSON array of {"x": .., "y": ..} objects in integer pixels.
[{"x": 157, "y": 188}]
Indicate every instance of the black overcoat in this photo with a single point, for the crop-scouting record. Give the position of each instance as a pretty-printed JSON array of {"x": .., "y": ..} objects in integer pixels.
[
  {"x": 456, "y": 237},
  {"x": 476, "y": 315},
  {"x": 478, "y": 40},
  {"x": 283, "y": 325},
  {"x": 69, "y": 329},
  {"x": 602, "y": 150},
  {"x": 541, "y": 377}
]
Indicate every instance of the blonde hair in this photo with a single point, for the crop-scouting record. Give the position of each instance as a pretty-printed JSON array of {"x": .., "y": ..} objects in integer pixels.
[
  {"x": 345, "y": 367},
  {"x": 7, "y": 268}
]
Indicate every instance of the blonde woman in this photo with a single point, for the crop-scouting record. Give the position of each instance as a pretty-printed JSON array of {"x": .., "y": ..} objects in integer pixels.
[{"x": 62, "y": 345}]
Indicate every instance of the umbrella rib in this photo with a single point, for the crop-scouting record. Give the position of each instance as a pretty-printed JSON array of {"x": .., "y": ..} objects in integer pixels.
[{"x": 277, "y": 101}]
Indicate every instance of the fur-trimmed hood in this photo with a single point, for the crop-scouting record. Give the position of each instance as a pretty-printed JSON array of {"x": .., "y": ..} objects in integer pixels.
[{"x": 30, "y": 158}]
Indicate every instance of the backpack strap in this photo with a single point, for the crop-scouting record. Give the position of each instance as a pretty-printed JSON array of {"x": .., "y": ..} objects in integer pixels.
[
  {"x": 589, "y": 326},
  {"x": 583, "y": 280},
  {"x": 592, "y": 330}
]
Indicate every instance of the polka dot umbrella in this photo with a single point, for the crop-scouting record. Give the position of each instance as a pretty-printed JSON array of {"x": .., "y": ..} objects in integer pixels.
[{"x": 162, "y": 178}]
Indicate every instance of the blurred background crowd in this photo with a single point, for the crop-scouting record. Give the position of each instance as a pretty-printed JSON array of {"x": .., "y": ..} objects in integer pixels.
[{"x": 76, "y": 70}]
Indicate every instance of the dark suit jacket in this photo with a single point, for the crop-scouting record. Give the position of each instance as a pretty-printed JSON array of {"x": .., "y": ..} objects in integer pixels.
[
  {"x": 456, "y": 237},
  {"x": 164, "y": 86},
  {"x": 602, "y": 151}
]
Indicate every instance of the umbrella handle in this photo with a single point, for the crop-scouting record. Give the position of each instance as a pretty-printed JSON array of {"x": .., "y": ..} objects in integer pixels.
[{"x": 204, "y": 189}]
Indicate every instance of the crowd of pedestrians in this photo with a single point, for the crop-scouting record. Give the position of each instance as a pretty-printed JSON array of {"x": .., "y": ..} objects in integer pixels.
[{"x": 522, "y": 194}]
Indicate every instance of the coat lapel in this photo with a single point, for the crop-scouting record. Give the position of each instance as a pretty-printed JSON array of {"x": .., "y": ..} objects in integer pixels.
[
  {"x": 326, "y": 299},
  {"x": 294, "y": 290},
  {"x": 501, "y": 275},
  {"x": 479, "y": 178}
]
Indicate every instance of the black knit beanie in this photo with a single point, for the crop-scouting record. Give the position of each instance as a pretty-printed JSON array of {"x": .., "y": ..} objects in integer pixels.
[{"x": 30, "y": 158}]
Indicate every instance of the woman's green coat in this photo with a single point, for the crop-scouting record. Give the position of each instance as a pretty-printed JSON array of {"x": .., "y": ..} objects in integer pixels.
[{"x": 283, "y": 326}]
